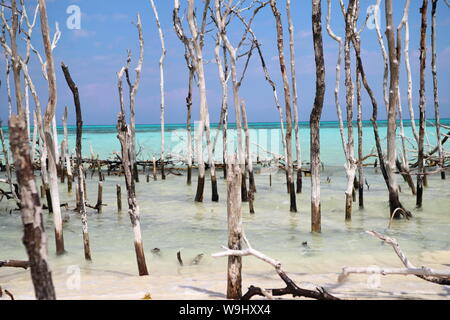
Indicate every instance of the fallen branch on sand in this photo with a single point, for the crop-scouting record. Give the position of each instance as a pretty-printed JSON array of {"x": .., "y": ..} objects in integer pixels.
[
  {"x": 291, "y": 287},
  {"x": 15, "y": 264},
  {"x": 441, "y": 277},
  {"x": 6, "y": 292}
]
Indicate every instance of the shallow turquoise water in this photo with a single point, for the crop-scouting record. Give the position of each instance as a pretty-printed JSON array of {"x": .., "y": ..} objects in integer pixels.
[
  {"x": 171, "y": 220},
  {"x": 266, "y": 140}
]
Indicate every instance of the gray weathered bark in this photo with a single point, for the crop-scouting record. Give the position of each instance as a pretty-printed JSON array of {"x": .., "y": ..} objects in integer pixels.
[
  {"x": 316, "y": 115},
  {"x": 35, "y": 238},
  {"x": 234, "y": 287},
  {"x": 288, "y": 110},
  {"x": 422, "y": 103},
  {"x": 79, "y": 162}
]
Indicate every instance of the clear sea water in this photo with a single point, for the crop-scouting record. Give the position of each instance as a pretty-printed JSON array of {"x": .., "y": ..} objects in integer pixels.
[
  {"x": 171, "y": 221},
  {"x": 266, "y": 140}
]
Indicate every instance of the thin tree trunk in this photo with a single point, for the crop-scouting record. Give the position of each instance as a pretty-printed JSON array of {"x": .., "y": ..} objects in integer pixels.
[
  {"x": 234, "y": 287},
  {"x": 79, "y": 162},
  {"x": 394, "y": 202},
  {"x": 49, "y": 139},
  {"x": 287, "y": 97},
  {"x": 133, "y": 88},
  {"x": 197, "y": 50},
  {"x": 316, "y": 115},
  {"x": 360, "y": 142},
  {"x": 66, "y": 152},
  {"x": 162, "y": 93},
  {"x": 350, "y": 167},
  {"x": 294, "y": 97},
  {"x": 189, "y": 126},
  {"x": 422, "y": 102},
  {"x": 35, "y": 238},
  {"x": 437, "y": 114},
  {"x": 8, "y": 166},
  {"x": 248, "y": 159},
  {"x": 124, "y": 136}
]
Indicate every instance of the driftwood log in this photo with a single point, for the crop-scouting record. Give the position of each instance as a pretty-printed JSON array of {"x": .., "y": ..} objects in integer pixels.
[
  {"x": 15, "y": 264},
  {"x": 291, "y": 287},
  {"x": 436, "y": 276}
]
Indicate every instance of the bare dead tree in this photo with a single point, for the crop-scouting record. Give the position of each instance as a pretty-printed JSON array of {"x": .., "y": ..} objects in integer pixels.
[
  {"x": 248, "y": 158},
  {"x": 133, "y": 88},
  {"x": 234, "y": 287},
  {"x": 268, "y": 79},
  {"x": 189, "y": 117},
  {"x": 195, "y": 45},
  {"x": 437, "y": 113},
  {"x": 422, "y": 102},
  {"x": 294, "y": 96},
  {"x": 221, "y": 21},
  {"x": 65, "y": 152},
  {"x": 288, "y": 110},
  {"x": 8, "y": 167},
  {"x": 49, "y": 137},
  {"x": 348, "y": 146},
  {"x": 361, "y": 178},
  {"x": 403, "y": 165},
  {"x": 124, "y": 136},
  {"x": 35, "y": 238},
  {"x": 316, "y": 115},
  {"x": 162, "y": 92},
  {"x": 79, "y": 162}
]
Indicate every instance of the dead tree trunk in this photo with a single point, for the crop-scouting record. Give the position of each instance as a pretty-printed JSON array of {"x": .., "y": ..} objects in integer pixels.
[
  {"x": 294, "y": 97},
  {"x": 248, "y": 159},
  {"x": 360, "y": 142},
  {"x": 79, "y": 162},
  {"x": 188, "y": 121},
  {"x": 437, "y": 113},
  {"x": 66, "y": 153},
  {"x": 287, "y": 97},
  {"x": 394, "y": 202},
  {"x": 422, "y": 103},
  {"x": 35, "y": 238},
  {"x": 350, "y": 166},
  {"x": 133, "y": 88},
  {"x": 316, "y": 114},
  {"x": 49, "y": 139},
  {"x": 162, "y": 93},
  {"x": 7, "y": 166},
  {"x": 234, "y": 287},
  {"x": 124, "y": 136}
]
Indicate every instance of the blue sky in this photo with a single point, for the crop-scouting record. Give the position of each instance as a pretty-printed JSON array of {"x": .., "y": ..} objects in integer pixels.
[{"x": 95, "y": 53}]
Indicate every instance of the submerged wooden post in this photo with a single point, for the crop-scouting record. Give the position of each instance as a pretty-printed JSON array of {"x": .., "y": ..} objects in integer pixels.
[
  {"x": 155, "y": 176},
  {"x": 99, "y": 204},
  {"x": 34, "y": 238},
  {"x": 119, "y": 197},
  {"x": 234, "y": 286}
]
